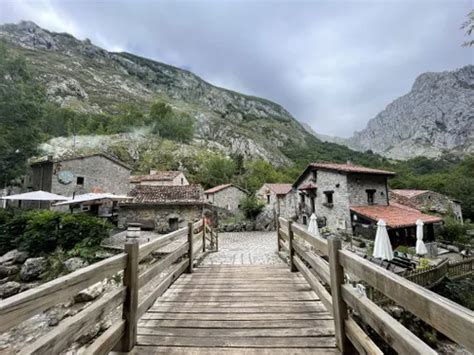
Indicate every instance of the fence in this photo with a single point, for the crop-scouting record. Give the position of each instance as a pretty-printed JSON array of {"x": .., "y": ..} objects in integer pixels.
[
  {"x": 122, "y": 335},
  {"x": 327, "y": 279}
]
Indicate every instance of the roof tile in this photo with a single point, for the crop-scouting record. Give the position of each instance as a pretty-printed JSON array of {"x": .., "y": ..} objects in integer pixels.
[
  {"x": 349, "y": 168},
  {"x": 157, "y": 195}
]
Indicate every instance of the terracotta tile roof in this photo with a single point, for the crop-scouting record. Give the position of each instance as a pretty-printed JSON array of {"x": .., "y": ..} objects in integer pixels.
[
  {"x": 395, "y": 216},
  {"x": 158, "y": 176},
  {"x": 218, "y": 188},
  {"x": 408, "y": 193},
  {"x": 349, "y": 168},
  {"x": 166, "y": 195},
  {"x": 280, "y": 189}
]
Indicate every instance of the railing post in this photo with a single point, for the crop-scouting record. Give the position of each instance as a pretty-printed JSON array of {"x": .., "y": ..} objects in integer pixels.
[
  {"x": 278, "y": 233},
  {"x": 130, "y": 281},
  {"x": 338, "y": 305},
  {"x": 204, "y": 235},
  {"x": 290, "y": 247},
  {"x": 191, "y": 247}
]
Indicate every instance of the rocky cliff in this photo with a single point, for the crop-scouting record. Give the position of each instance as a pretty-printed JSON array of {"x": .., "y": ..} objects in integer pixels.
[
  {"x": 436, "y": 116},
  {"x": 79, "y": 75}
]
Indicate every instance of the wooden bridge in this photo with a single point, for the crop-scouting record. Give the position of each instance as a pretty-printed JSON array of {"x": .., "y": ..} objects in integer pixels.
[{"x": 173, "y": 307}]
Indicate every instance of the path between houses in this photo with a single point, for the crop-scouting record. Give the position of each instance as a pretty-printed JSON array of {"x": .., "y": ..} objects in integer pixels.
[{"x": 245, "y": 248}]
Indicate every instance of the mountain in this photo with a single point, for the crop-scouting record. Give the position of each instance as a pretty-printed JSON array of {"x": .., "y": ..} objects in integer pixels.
[
  {"x": 86, "y": 78},
  {"x": 435, "y": 117}
]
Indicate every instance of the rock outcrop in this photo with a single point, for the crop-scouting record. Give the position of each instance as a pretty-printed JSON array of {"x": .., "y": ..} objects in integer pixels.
[
  {"x": 436, "y": 116},
  {"x": 33, "y": 268}
]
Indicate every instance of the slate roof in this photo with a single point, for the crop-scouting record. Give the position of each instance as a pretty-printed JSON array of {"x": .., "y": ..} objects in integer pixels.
[
  {"x": 349, "y": 168},
  {"x": 166, "y": 195},
  {"x": 280, "y": 189},
  {"x": 394, "y": 215},
  {"x": 84, "y": 156},
  {"x": 158, "y": 176},
  {"x": 408, "y": 193},
  {"x": 218, "y": 188}
]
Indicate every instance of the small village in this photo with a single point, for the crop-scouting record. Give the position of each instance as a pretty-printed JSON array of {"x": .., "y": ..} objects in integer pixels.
[{"x": 398, "y": 230}]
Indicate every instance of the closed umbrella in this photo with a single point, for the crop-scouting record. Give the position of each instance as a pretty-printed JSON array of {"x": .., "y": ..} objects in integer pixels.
[
  {"x": 382, "y": 246},
  {"x": 420, "y": 246},
  {"x": 313, "y": 226}
]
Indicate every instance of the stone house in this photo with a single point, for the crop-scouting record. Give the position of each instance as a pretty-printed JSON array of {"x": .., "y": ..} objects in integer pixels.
[
  {"x": 280, "y": 198},
  {"x": 78, "y": 175},
  {"x": 160, "y": 178},
  {"x": 163, "y": 208},
  {"x": 226, "y": 196},
  {"x": 428, "y": 201},
  {"x": 352, "y": 199}
]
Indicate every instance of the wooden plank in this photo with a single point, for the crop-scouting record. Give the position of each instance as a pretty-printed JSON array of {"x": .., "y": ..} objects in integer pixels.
[
  {"x": 61, "y": 337},
  {"x": 147, "y": 248},
  {"x": 18, "y": 308},
  {"x": 256, "y": 303},
  {"x": 148, "y": 350},
  {"x": 197, "y": 237},
  {"x": 325, "y": 321},
  {"x": 257, "y": 294},
  {"x": 107, "y": 340},
  {"x": 311, "y": 307},
  {"x": 317, "y": 242},
  {"x": 283, "y": 222},
  {"x": 393, "y": 332},
  {"x": 191, "y": 249},
  {"x": 322, "y": 293},
  {"x": 130, "y": 306},
  {"x": 198, "y": 224},
  {"x": 291, "y": 249},
  {"x": 174, "y": 273},
  {"x": 296, "y": 297},
  {"x": 253, "y": 342},
  {"x": 240, "y": 288},
  {"x": 284, "y": 234},
  {"x": 161, "y": 265},
  {"x": 282, "y": 315},
  {"x": 320, "y": 330},
  {"x": 318, "y": 264},
  {"x": 361, "y": 341},
  {"x": 453, "y": 320}
]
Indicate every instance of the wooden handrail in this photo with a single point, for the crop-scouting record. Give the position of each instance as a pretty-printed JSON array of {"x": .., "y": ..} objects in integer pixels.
[{"x": 451, "y": 319}]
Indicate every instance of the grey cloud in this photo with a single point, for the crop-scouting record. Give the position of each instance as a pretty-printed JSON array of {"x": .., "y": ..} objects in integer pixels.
[{"x": 332, "y": 64}]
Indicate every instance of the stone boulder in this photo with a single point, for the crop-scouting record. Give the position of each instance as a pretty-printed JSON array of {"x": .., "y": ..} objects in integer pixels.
[
  {"x": 9, "y": 289},
  {"x": 14, "y": 257},
  {"x": 90, "y": 293},
  {"x": 74, "y": 264},
  {"x": 8, "y": 270},
  {"x": 33, "y": 268},
  {"x": 265, "y": 221}
]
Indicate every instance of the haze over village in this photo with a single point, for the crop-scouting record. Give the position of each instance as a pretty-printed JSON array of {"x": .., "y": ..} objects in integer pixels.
[{"x": 236, "y": 177}]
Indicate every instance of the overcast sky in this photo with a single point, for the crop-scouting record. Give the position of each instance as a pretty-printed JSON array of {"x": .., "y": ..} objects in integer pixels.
[{"x": 332, "y": 64}]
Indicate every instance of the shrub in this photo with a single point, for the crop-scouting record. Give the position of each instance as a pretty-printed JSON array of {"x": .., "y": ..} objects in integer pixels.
[
  {"x": 251, "y": 206},
  {"x": 453, "y": 230}
]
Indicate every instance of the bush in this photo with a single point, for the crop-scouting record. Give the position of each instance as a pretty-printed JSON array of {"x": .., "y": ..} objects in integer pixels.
[
  {"x": 453, "y": 230},
  {"x": 251, "y": 206},
  {"x": 42, "y": 232}
]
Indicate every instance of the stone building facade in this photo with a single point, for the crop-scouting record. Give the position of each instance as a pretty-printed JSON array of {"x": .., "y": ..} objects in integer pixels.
[
  {"x": 79, "y": 175},
  {"x": 428, "y": 202},
  {"x": 160, "y": 178},
  {"x": 227, "y": 196},
  {"x": 280, "y": 198},
  {"x": 163, "y": 208}
]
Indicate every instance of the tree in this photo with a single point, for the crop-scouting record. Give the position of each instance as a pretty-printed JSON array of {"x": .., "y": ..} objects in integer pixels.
[
  {"x": 214, "y": 169},
  {"x": 170, "y": 124},
  {"x": 21, "y": 109},
  {"x": 468, "y": 26}
]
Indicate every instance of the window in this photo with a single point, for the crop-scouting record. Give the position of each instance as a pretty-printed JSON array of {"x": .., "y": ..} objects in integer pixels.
[
  {"x": 182, "y": 181},
  {"x": 302, "y": 198},
  {"x": 329, "y": 198},
  {"x": 315, "y": 175},
  {"x": 268, "y": 199},
  {"x": 305, "y": 220},
  {"x": 370, "y": 196},
  {"x": 80, "y": 181}
]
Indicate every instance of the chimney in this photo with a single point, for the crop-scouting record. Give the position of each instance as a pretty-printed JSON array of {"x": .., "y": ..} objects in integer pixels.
[{"x": 153, "y": 171}]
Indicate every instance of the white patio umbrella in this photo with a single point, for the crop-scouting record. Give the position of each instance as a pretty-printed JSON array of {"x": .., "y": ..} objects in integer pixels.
[
  {"x": 382, "y": 246},
  {"x": 420, "y": 246},
  {"x": 35, "y": 196},
  {"x": 313, "y": 225}
]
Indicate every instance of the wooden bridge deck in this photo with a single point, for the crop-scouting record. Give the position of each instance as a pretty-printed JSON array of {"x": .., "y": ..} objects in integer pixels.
[{"x": 262, "y": 309}]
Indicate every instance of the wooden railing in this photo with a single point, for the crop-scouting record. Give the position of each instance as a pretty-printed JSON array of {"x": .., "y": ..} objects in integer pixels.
[
  {"x": 198, "y": 238},
  {"x": 326, "y": 267},
  {"x": 461, "y": 268}
]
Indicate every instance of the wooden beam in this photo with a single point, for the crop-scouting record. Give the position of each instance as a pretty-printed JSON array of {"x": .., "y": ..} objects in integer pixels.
[
  {"x": 147, "y": 248},
  {"x": 450, "y": 318},
  {"x": 290, "y": 247},
  {"x": 318, "y": 264},
  {"x": 319, "y": 243},
  {"x": 191, "y": 247},
  {"x": 107, "y": 340},
  {"x": 360, "y": 340},
  {"x": 393, "y": 332}
]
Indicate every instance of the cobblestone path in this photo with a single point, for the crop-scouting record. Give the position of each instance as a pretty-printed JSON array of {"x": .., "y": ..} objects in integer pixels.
[{"x": 245, "y": 248}]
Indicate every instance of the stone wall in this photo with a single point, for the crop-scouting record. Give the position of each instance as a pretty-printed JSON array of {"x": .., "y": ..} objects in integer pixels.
[
  {"x": 98, "y": 172},
  {"x": 359, "y": 183},
  {"x": 284, "y": 205},
  {"x": 228, "y": 198},
  {"x": 159, "y": 216},
  {"x": 434, "y": 202}
]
